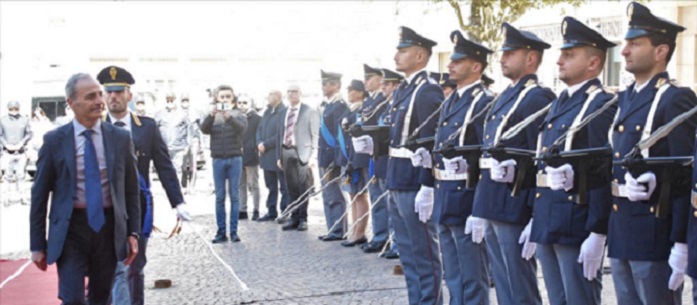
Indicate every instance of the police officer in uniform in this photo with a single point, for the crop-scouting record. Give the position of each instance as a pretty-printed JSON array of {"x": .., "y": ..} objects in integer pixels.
[
  {"x": 464, "y": 254},
  {"x": 373, "y": 106},
  {"x": 570, "y": 234},
  {"x": 410, "y": 184},
  {"x": 329, "y": 155},
  {"x": 150, "y": 148},
  {"x": 506, "y": 234},
  {"x": 648, "y": 253}
]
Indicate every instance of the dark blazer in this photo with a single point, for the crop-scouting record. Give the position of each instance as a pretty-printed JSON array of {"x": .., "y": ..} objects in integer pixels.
[
  {"x": 401, "y": 175},
  {"x": 305, "y": 132},
  {"x": 453, "y": 201},
  {"x": 151, "y": 149},
  {"x": 267, "y": 133},
  {"x": 331, "y": 117},
  {"x": 635, "y": 233},
  {"x": 250, "y": 153},
  {"x": 559, "y": 220},
  {"x": 56, "y": 176},
  {"x": 493, "y": 200}
]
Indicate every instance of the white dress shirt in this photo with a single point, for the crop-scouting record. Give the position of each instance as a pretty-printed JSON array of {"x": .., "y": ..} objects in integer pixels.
[
  {"x": 126, "y": 120},
  {"x": 98, "y": 140}
]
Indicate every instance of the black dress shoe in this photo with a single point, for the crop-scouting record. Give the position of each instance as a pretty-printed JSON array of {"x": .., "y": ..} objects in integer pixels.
[
  {"x": 243, "y": 215},
  {"x": 266, "y": 218},
  {"x": 302, "y": 225},
  {"x": 373, "y": 247},
  {"x": 359, "y": 241},
  {"x": 255, "y": 215},
  {"x": 234, "y": 237},
  {"x": 281, "y": 220},
  {"x": 390, "y": 255},
  {"x": 331, "y": 238},
  {"x": 291, "y": 225},
  {"x": 219, "y": 239}
]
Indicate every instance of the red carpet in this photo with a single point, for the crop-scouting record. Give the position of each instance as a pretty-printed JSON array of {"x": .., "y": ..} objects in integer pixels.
[{"x": 31, "y": 287}]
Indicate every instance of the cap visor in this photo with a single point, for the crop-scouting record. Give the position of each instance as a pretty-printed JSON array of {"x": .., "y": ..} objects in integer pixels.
[
  {"x": 404, "y": 45},
  {"x": 635, "y": 33},
  {"x": 457, "y": 56},
  {"x": 114, "y": 88}
]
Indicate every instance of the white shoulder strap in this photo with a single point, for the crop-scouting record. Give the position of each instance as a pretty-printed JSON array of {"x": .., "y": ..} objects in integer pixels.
[
  {"x": 407, "y": 117},
  {"x": 504, "y": 121},
  {"x": 468, "y": 117},
  {"x": 652, "y": 113},
  {"x": 579, "y": 117}
]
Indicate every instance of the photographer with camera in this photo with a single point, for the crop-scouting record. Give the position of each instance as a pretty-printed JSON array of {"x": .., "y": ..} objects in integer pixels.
[{"x": 226, "y": 124}]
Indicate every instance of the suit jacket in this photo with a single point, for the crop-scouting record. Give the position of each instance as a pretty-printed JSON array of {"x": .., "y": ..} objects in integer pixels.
[
  {"x": 305, "y": 131},
  {"x": 56, "y": 176},
  {"x": 635, "y": 233},
  {"x": 493, "y": 200},
  {"x": 559, "y": 220},
  {"x": 151, "y": 148},
  {"x": 328, "y": 147},
  {"x": 267, "y": 133},
  {"x": 250, "y": 153},
  {"x": 401, "y": 175}
]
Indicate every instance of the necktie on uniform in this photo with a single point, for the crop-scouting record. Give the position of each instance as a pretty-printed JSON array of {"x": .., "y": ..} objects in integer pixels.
[
  {"x": 290, "y": 124},
  {"x": 93, "y": 185},
  {"x": 120, "y": 124}
]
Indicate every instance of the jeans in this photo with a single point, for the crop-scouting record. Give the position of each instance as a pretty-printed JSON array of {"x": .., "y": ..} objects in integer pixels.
[
  {"x": 273, "y": 179},
  {"x": 129, "y": 281},
  {"x": 228, "y": 169}
]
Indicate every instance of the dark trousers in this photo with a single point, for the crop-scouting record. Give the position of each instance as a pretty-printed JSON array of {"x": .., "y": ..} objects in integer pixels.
[
  {"x": 298, "y": 180},
  {"x": 90, "y": 254},
  {"x": 273, "y": 179}
]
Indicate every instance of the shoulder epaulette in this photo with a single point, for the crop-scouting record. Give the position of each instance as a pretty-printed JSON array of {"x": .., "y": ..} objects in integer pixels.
[
  {"x": 136, "y": 119},
  {"x": 530, "y": 83},
  {"x": 475, "y": 91},
  {"x": 591, "y": 89},
  {"x": 104, "y": 117},
  {"x": 660, "y": 82}
]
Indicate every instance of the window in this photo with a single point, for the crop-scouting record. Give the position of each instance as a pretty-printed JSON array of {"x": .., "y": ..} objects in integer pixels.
[{"x": 613, "y": 66}]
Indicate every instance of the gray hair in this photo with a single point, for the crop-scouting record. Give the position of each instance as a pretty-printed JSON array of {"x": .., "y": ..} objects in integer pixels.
[{"x": 72, "y": 81}]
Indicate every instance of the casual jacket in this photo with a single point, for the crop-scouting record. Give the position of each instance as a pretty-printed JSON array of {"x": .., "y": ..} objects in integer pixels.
[
  {"x": 226, "y": 134},
  {"x": 250, "y": 155}
]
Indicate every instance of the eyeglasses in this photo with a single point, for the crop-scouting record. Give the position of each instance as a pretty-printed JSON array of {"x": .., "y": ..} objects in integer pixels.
[
  {"x": 13, "y": 109},
  {"x": 243, "y": 103}
]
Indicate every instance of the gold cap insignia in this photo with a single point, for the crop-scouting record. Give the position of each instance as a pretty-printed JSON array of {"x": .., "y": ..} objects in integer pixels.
[
  {"x": 630, "y": 10},
  {"x": 563, "y": 28},
  {"x": 400, "y": 33},
  {"x": 454, "y": 39},
  {"x": 112, "y": 73}
]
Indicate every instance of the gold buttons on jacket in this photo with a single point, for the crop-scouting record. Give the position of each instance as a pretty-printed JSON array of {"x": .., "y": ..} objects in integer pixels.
[
  {"x": 617, "y": 154},
  {"x": 538, "y": 195},
  {"x": 438, "y": 186},
  {"x": 445, "y": 123},
  {"x": 549, "y": 126},
  {"x": 695, "y": 214},
  {"x": 571, "y": 198},
  {"x": 615, "y": 207},
  {"x": 493, "y": 117},
  {"x": 621, "y": 128},
  {"x": 487, "y": 137},
  {"x": 544, "y": 149},
  {"x": 651, "y": 209},
  {"x": 638, "y": 127}
]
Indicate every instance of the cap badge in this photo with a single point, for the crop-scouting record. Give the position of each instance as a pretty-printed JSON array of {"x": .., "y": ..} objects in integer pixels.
[
  {"x": 112, "y": 73},
  {"x": 563, "y": 28}
]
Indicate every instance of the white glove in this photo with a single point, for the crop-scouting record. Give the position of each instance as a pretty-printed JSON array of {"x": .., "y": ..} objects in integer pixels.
[
  {"x": 636, "y": 191},
  {"x": 421, "y": 158},
  {"x": 678, "y": 262},
  {"x": 559, "y": 178},
  {"x": 363, "y": 144},
  {"x": 457, "y": 165},
  {"x": 476, "y": 226},
  {"x": 528, "y": 246},
  {"x": 423, "y": 203},
  {"x": 503, "y": 172},
  {"x": 183, "y": 212},
  {"x": 591, "y": 255}
]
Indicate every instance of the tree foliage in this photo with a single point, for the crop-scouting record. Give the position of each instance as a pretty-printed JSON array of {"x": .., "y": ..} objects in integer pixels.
[{"x": 486, "y": 16}]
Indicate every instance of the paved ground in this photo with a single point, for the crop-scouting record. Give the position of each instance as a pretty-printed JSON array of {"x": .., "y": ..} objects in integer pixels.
[{"x": 279, "y": 267}]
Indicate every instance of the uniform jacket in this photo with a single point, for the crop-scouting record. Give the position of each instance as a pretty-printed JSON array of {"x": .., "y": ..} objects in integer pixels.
[
  {"x": 493, "y": 200},
  {"x": 401, "y": 175},
  {"x": 372, "y": 105},
  {"x": 453, "y": 201},
  {"x": 635, "y": 233},
  {"x": 56, "y": 177},
  {"x": 331, "y": 117},
  {"x": 557, "y": 218}
]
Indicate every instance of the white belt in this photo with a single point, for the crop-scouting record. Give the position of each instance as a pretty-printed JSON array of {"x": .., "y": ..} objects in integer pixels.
[
  {"x": 486, "y": 163},
  {"x": 403, "y": 153},
  {"x": 542, "y": 180},
  {"x": 445, "y": 175},
  {"x": 694, "y": 200},
  {"x": 619, "y": 190}
]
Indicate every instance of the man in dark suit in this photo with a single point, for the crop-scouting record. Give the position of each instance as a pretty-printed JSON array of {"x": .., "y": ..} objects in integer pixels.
[
  {"x": 150, "y": 149},
  {"x": 267, "y": 136},
  {"x": 249, "y": 180},
  {"x": 89, "y": 171},
  {"x": 297, "y": 140}
]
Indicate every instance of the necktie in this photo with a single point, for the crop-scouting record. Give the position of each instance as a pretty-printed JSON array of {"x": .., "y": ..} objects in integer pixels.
[
  {"x": 120, "y": 124},
  {"x": 93, "y": 185},
  {"x": 288, "y": 141}
]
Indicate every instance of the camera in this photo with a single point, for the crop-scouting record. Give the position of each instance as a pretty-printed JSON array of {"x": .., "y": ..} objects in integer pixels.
[{"x": 223, "y": 107}]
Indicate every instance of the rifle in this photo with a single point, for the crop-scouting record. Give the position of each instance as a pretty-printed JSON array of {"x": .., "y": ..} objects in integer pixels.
[
  {"x": 471, "y": 153},
  {"x": 380, "y": 135},
  {"x": 414, "y": 144},
  {"x": 671, "y": 170},
  {"x": 524, "y": 164},
  {"x": 581, "y": 159}
]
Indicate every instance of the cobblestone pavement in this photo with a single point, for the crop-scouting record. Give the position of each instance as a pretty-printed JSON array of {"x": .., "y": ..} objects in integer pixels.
[{"x": 279, "y": 267}]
